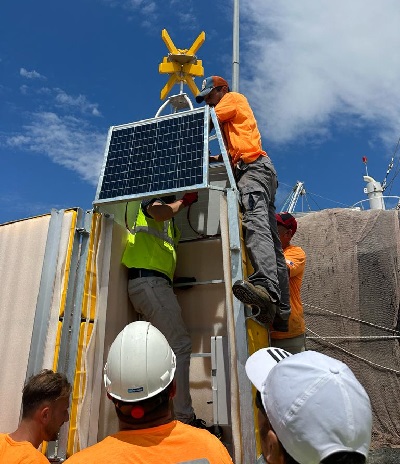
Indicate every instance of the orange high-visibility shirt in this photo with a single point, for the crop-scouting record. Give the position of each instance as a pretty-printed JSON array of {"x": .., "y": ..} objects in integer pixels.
[
  {"x": 16, "y": 452},
  {"x": 169, "y": 443},
  {"x": 295, "y": 261},
  {"x": 240, "y": 128}
]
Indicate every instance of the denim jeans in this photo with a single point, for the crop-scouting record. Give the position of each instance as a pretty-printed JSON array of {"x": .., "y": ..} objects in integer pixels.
[
  {"x": 257, "y": 184},
  {"x": 154, "y": 299}
]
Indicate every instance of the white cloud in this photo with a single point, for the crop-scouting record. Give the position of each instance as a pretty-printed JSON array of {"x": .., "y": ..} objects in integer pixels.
[
  {"x": 80, "y": 102},
  {"x": 149, "y": 8},
  {"x": 18, "y": 140},
  {"x": 67, "y": 141},
  {"x": 44, "y": 91},
  {"x": 187, "y": 19},
  {"x": 59, "y": 98},
  {"x": 30, "y": 74},
  {"x": 308, "y": 64},
  {"x": 155, "y": 13},
  {"x": 135, "y": 3}
]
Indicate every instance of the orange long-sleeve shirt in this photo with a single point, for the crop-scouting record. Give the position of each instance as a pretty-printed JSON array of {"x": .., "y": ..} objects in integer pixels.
[
  {"x": 240, "y": 128},
  {"x": 295, "y": 261}
]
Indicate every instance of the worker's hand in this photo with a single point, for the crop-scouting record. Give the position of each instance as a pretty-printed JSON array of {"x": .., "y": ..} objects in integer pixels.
[{"x": 190, "y": 198}]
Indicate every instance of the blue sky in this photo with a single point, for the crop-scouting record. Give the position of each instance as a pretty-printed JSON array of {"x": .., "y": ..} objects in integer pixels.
[{"x": 322, "y": 77}]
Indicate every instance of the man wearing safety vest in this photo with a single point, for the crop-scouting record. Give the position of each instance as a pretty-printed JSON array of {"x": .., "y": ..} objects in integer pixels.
[{"x": 150, "y": 256}]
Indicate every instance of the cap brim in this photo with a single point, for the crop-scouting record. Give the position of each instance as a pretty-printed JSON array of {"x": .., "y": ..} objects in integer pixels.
[
  {"x": 201, "y": 95},
  {"x": 259, "y": 365}
]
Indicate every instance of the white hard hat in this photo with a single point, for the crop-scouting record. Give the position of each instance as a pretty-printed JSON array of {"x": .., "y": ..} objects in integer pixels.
[{"x": 140, "y": 363}]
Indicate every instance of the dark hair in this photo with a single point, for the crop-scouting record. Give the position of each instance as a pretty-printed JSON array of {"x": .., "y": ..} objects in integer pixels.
[
  {"x": 342, "y": 457},
  {"x": 45, "y": 387},
  {"x": 151, "y": 407},
  {"x": 219, "y": 87},
  {"x": 345, "y": 457}
]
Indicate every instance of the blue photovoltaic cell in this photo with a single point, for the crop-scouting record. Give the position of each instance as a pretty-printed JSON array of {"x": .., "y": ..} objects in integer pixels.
[{"x": 161, "y": 154}]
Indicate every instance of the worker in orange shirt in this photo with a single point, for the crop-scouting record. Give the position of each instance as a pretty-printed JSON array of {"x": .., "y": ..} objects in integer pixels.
[
  {"x": 139, "y": 379},
  {"x": 268, "y": 287},
  {"x": 293, "y": 340},
  {"x": 45, "y": 403}
]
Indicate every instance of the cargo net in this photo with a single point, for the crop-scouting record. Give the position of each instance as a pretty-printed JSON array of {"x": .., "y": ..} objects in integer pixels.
[{"x": 351, "y": 299}]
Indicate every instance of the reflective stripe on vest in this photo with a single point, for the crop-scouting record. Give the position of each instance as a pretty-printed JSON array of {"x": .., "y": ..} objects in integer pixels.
[
  {"x": 161, "y": 235},
  {"x": 151, "y": 245}
]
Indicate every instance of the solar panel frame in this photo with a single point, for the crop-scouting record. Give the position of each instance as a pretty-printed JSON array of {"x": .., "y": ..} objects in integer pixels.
[{"x": 151, "y": 144}]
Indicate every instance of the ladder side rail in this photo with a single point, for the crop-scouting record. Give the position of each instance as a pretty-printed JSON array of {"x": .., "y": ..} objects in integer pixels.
[
  {"x": 244, "y": 384},
  {"x": 72, "y": 319}
]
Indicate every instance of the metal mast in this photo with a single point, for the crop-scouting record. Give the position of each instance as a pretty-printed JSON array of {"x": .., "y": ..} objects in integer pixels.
[
  {"x": 291, "y": 200},
  {"x": 235, "y": 54}
]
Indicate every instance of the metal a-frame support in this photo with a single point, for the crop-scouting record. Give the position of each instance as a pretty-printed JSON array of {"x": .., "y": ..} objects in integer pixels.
[
  {"x": 246, "y": 416},
  {"x": 244, "y": 420}
]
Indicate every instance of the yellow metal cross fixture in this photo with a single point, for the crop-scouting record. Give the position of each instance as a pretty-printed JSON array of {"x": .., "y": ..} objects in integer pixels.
[{"x": 181, "y": 64}]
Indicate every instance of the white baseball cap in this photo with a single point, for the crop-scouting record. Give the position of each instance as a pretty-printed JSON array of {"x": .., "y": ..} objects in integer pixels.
[{"x": 314, "y": 403}]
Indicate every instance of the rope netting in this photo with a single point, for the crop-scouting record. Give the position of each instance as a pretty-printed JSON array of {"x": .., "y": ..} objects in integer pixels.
[{"x": 351, "y": 300}]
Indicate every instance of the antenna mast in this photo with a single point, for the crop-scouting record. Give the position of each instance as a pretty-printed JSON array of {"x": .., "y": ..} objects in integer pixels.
[{"x": 235, "y": 54}]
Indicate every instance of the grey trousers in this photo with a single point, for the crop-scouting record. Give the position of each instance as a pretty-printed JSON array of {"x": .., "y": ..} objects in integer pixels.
[
  {"x": 154, "y": 299},
  {"x": 294, "y": 345},
  {"x": 257, "y": 184}
]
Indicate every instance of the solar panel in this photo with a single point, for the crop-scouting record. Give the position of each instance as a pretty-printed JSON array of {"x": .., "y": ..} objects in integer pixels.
[{"x": 155, "y": 156}]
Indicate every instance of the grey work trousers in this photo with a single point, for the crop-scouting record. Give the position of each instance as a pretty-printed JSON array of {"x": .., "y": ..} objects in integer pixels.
[
  {"x": 294, "y": 345},
  {"x": 257, "y": 184},
  {"x": 154, "y": 299}
]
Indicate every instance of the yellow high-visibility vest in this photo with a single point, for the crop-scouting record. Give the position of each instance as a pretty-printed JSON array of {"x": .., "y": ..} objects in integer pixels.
[{"x": 151, "y": 245}]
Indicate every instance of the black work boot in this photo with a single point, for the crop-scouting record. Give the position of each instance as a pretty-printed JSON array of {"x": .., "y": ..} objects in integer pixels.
[
  {"x": 253, "y": 295},
  {"x": 256, "y": 295}
]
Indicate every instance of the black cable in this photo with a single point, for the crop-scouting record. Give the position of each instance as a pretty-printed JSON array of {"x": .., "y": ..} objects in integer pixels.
[
  {"x": 126, "y": 216},
  {"x": 199, "y": 234},
  {"x": 311, "y": 198},
  {"x": 308, "y": 204},
  {"x": 390, "y": 167}
]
